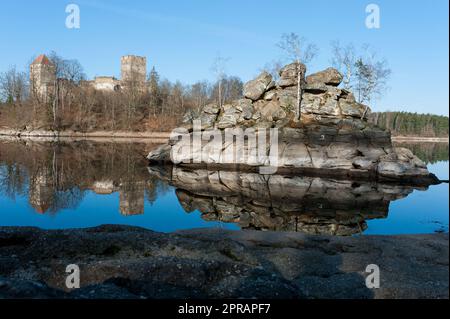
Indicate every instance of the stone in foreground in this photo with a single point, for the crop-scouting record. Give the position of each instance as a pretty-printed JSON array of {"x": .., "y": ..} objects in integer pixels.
[{"x": 130, "y": 262}]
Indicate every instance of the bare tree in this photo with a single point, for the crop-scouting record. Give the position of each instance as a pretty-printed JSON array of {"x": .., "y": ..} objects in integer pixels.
[
  {"x": 218, "y": 69},
  {"x": 178, "y": 97},
  {"x": 228, "y": 89},
  {"x": 199, "y": 93},
  {"x": 234, "y": 88},
  {"x": 165, "y": 89},
  {"x": 371, "y": 79},
  {"x": 58, "y": 63},
  {"x": 362, "y": 71},
  {"x": 273, "y": 67},
  {"x": 13, "y": 85},
  {"x": 69, "y": 73},
  {"x": 72, "y": 71},
  {"x": 296, "y": 48},
  {"x": 344, "y": 59}
]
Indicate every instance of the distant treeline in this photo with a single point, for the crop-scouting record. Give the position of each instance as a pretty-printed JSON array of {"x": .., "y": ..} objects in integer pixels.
[{"x": 411, "y": 124}]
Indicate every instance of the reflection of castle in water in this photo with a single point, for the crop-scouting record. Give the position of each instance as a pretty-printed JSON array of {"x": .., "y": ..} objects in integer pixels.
[
  {"x": 41, "y": 190},
  {"x": 283, "y": 203},
  {"x": 58, "y": 175},
  {"x": 132, "y": 198},
  {"x": 131, "y": 193}
]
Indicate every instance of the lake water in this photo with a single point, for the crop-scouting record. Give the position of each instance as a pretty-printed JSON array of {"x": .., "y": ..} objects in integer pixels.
[{"x": 84, "y": 184}]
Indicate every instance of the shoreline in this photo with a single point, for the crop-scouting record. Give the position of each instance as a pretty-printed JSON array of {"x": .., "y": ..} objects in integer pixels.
[
  {"x": 417, "y": 139},
  {"x": 145, "y": 136},
  {"x": 98, "y": 136}
]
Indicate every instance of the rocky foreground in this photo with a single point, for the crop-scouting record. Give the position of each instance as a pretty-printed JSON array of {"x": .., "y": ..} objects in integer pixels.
[{"x": 130, "y": 262}]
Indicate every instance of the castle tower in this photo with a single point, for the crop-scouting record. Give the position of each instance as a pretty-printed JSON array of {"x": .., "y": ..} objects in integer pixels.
[
  {"x": 42, "y": 77},
  {"x": 133, "y": 69},
  {"x": 41, "y": 190},
  {"x": 131, "y": 198}
]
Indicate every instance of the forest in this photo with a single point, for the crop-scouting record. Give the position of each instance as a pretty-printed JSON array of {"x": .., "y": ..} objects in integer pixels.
[{"x": 411, "y": 124}]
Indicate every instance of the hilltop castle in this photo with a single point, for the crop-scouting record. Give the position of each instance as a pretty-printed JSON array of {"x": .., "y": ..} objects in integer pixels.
[{"x": 133, "y": 74}]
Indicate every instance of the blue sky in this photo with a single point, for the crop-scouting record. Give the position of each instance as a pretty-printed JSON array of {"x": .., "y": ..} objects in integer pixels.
[{"x": 182, "y": 38}]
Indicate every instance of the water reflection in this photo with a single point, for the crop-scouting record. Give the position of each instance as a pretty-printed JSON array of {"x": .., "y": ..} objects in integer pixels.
[
  {"x": 429, "y": 153},
  {"x": 55, "y": 177},
  {"x": 282, "y": 203}
]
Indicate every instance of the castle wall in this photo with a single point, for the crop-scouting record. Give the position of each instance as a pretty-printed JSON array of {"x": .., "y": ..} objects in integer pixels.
[{"x": 105, "y": 83}]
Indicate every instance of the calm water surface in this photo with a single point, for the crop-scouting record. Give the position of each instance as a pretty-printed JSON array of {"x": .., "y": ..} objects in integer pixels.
[{"x": 84, "y": 184}]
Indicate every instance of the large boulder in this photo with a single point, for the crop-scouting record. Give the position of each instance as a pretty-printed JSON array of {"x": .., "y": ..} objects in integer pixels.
[
  {"x": 271, "y": 111},
  {"x": 349, "y": 106},
  {"x": 211, "y": 109},
  {"x": 329, "y": 76},
  {"x": 254, "y": 89},
  {"x": 229, "y": 118},
  {"x": 289, "y": 75},
  {"x": 354, "y": 109},
  {"x": 321, "y": 104},
  {"x": 405, "y": 155},
  {"x": 207, "y": 120}
]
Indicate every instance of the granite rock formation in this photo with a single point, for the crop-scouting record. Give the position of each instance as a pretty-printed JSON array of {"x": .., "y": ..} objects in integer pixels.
[{"x": 332, "y": 136}]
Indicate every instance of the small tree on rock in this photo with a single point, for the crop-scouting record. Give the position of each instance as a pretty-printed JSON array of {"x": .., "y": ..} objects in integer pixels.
[{"x": 296, "y": 48}]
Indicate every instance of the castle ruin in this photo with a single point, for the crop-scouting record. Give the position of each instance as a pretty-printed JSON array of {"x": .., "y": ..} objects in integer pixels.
[
  {"x": 133, "y": 69},
  {"x": 133, "y": 74}
]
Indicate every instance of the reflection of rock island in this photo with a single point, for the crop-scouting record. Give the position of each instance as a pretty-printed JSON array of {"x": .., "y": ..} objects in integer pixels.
[
  {"x": 131, "y": 195},
  {"x": 288, "y": 203}
]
